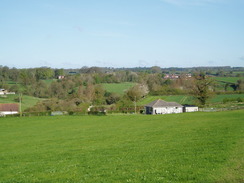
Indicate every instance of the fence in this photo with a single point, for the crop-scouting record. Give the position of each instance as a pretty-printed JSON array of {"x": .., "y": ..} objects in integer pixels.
[
  {"x": 125, "y": 110},
  {"x": 220, "y": 109}
]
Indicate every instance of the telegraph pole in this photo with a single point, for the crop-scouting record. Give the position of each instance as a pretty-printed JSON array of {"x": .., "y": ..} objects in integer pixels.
[
  {"x": 20, "y": 108},
  {"x": 135, "y": 104}
]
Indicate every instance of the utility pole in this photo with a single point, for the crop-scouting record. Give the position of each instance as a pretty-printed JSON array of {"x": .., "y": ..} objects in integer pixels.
[
  {"x": 20, "y": 108},
  {"x": 135, "y": 104}
]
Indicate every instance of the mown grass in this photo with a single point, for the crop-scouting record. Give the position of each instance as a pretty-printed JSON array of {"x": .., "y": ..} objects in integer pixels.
[
  {"x": 27, "y": 101},
  {"x": 193, "y": 147},
  {"x": 220, "y": 98},
  {"x": 228, "y": 79},
  {"x": 118, "y": 88}
]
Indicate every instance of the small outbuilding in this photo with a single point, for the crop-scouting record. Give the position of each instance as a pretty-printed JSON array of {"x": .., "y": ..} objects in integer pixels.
[
  {"x": 6, "y": 92},
  {"x": 162, "y": 107},
  {"x": 190, "y": 108},
  {"x": 8, "y": 109}
]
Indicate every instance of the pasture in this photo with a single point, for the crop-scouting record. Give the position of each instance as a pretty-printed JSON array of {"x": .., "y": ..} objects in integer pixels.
[
  {"x": 184, "y": 99},
  {"x": 118, "y": 88},
  {"x": 27, "y": 101},
  {"x": 228, "y": 79},
  {"x": 220, "y": 98},
  {"x": 188, "y": 147}
]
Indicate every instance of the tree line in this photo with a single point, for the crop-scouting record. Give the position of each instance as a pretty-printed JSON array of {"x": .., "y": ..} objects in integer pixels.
[{"x": 83, "y": 87}]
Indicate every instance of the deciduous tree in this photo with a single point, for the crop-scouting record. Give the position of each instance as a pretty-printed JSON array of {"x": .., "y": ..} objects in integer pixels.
[{"x": 201, "y": 88}]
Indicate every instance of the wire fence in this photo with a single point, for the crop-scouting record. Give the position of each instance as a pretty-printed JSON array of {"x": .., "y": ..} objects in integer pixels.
[
  {"x": 221, "y": 109},
  {"x": 124, "y": 111}
]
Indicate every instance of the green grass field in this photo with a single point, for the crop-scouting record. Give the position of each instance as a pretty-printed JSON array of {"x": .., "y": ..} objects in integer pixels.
[
  {"x": 220, "y": 98},
  {"x": 228, "y": 79},
  {"x": 184, "y": 99},
  {"x": 49, "y": 81},
  {"x": 119, "y": 88},
  {"x": 238, "y": 72},
  {"x": 12, "y": 83},
  {"x": 189, "y": 147},
  {"x": 27, "y": 101}
]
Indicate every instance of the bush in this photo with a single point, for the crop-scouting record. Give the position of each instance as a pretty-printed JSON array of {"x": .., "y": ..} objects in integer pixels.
[
  {"x": 71, "y": 112},
  {"x": 97, "y": 113},
  {"x": 239, "y": 99}
]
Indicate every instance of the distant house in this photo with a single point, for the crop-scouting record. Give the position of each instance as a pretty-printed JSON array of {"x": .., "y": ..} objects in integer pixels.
[
  {"x": 61, "y": 77},
  {"x": 162, "y": 107},
  {"x": 8, "y": 109},
  {"x": 5, "y": 92},
  {"x": 171, "y": 76},
  {"x": 2, "y": 91},
  {"x": 190, "y": 108},
  {"x": 188, "y": 75},
  {"x": 177, "y": 76}
]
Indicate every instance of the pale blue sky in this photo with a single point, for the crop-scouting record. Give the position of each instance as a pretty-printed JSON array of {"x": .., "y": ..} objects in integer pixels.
[{"x": 121, "y": 33}]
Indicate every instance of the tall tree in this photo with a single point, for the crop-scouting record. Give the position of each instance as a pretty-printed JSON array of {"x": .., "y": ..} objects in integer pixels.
[
  {"x": 44, "y": 73},
  {"x": 201, "y": 88},
  {"x": 156, "y": 69},
  {"x": 137, "y": 92},
  {"x": 240, "y": 85},
  {"x": 58, "y": 72}
]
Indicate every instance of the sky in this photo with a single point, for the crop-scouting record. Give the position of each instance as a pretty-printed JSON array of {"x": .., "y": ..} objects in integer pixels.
[{"x": 121, "y": 33}]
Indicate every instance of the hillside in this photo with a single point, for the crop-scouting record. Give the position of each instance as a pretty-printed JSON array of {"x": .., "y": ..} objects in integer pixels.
[
  {"x": 232, "y": 80},
  {"x": 189, "y": 147},
  {"x": 186, "y": 99},
  {"x": 118, "y": 88},
  {"x": 27, "y": 101}
]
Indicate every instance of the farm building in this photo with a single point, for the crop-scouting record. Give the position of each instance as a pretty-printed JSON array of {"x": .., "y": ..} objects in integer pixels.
[
  {"x": 2, "y": 91},
  {"x": 162, "y": 107},
  {"x": 5, "y": 92},
  {"x": 7, "y": 109},
  {"x": 61, "y": 77},
  {"x": 190, "y": 108}
]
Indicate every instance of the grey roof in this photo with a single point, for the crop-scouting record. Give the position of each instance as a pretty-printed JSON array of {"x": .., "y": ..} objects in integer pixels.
[
  {"x": 162, "y": 103},
  {"x": 186, "y": 105}
]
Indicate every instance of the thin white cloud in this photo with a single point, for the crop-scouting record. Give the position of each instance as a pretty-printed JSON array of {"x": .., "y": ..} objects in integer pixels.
[
  {"x": 108, "y": 34},
  {"x": 143, "y": 63},
  {"x": 45, "y": 63},
  {"x": 101, "y": 63},
  {"x": 78, "y": 28},
  {"x": 118, "y": 23},
  {"x": 71, "y": 65},
  {"x": 192, "y": 2},
  {"x": 242, "y": 58}
]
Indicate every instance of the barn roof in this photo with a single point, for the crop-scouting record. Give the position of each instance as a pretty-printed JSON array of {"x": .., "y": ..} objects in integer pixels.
[
  {"x": 162, "y": 103},
  {"x": 9, "y": 107}
]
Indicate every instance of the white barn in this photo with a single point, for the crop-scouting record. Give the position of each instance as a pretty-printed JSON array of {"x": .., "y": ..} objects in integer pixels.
[{"x": 162, "y": 107}]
